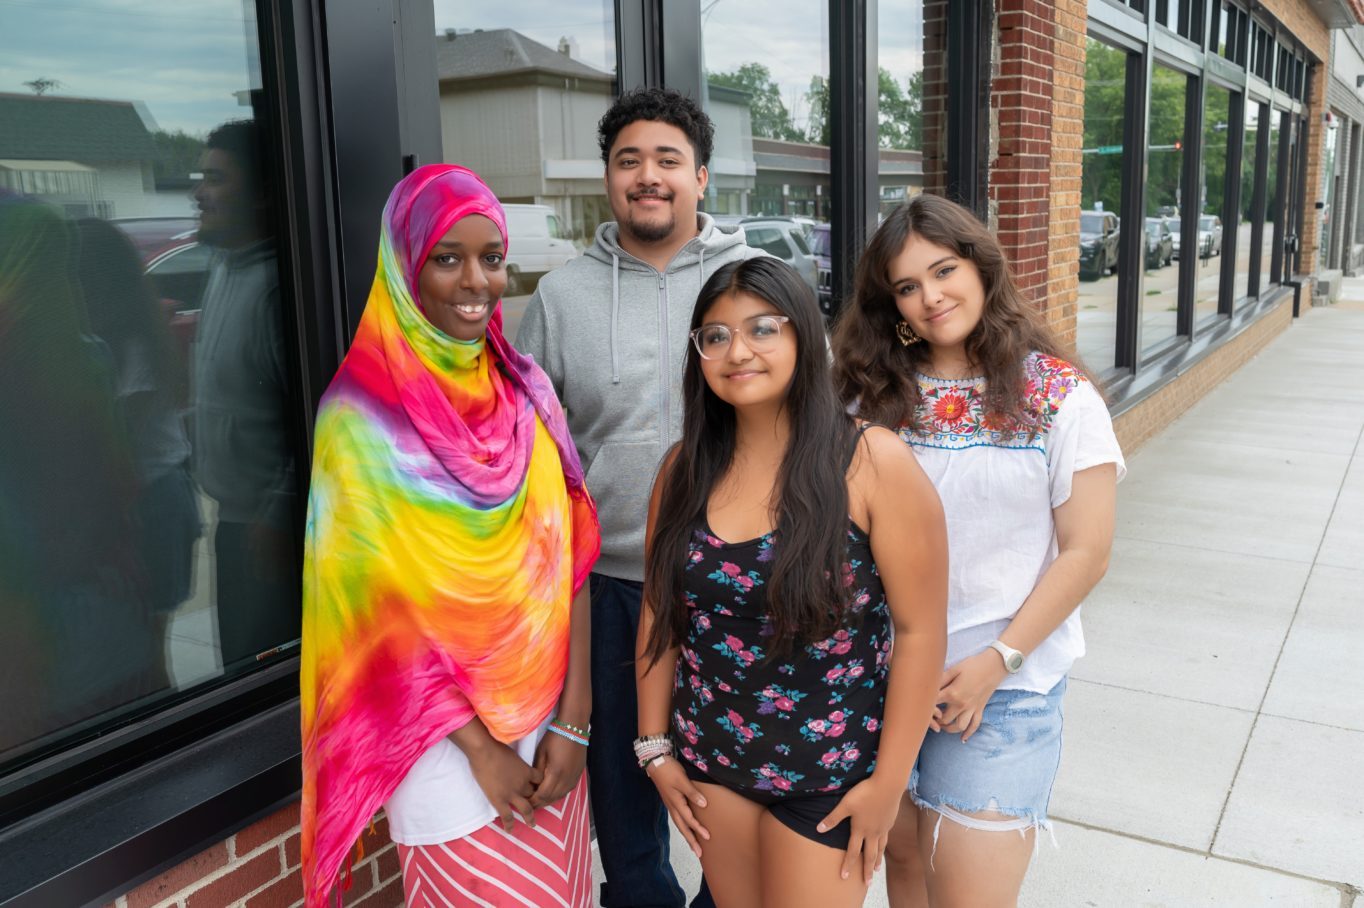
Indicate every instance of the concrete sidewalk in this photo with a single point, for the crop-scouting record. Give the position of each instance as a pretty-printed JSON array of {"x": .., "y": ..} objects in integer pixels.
[{"x": 1214, "y": 750}]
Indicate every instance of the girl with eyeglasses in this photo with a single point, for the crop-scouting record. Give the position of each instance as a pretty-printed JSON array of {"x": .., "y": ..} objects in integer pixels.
[
  {"x": 787, "y": 546},
  {"x": 939, "y": 343}
]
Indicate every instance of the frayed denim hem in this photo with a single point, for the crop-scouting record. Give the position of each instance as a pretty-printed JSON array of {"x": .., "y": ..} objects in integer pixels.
[{"x": 1020, "y": 822}]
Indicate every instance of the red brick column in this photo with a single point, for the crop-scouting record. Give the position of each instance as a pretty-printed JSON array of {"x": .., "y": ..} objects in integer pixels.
[
  {"x": 1067, "y": 167},
  {"x": 935, "y": 97},
  {"x": 1021, "y": 106}
]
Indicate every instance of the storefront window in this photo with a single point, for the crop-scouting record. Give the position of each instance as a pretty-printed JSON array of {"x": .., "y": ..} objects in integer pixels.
[
  {"x": 149, "y": 537},
  {"x": 1212, "y": 212},
  {"x": 1101, "y": 204},
  {"x": 1246, "y": 215},
  {"x": 912, "y": 101},
  {"x": 1159, "y": 304},
  {"x": 537, "y": 83},
  {"x": 766, "y": 66},
  {"x": 1274, "y": 193}
]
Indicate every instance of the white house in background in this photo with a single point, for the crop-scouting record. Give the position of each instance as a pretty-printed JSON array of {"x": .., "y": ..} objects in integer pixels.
[{"x": 88, "y": 156}]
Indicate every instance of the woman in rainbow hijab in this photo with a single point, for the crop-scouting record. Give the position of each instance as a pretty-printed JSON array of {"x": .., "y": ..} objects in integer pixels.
[{"x": 445, "y": 618}]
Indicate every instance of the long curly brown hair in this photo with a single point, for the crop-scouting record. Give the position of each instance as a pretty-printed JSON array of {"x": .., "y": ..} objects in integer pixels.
[{"x": 874, "y": 371}]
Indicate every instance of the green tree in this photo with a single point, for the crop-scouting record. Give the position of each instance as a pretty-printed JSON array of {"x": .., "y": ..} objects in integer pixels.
[
  {"x": 177, "y": 154},
  {"x": 771, "y": 119},
  {"x": 900, "y": 113},
  {"x": 1105, "y": 89}
]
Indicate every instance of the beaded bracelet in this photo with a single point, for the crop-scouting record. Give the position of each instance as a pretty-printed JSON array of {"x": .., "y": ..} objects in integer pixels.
[
  {"x": 565, "y": 733},
  {"x": 581, "y": 732},
  {"x": 650, "y": 747}
]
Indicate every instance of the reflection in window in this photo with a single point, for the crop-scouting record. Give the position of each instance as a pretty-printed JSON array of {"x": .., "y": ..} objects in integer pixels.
[
  {"x": 1216, "y": 129},
  {"x": 1164, "y": 166},
  {"x": 767, "y": 77},
  {"x": 1274, "y": 191},
  {"x": 1245, "y": 262},
  {"x": 148, "y": 537},
  {"x": 912, "y": 100},
  {"x": 1100, "y": 201},
  {"x": 536, "y": 78}
]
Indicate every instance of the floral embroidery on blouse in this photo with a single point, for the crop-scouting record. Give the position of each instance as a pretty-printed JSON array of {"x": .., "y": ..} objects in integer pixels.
[{"x": 954, "y": 411}]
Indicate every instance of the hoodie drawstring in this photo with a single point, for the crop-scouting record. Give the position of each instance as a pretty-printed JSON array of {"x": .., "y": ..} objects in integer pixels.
[{"x": 615, "y": 316}]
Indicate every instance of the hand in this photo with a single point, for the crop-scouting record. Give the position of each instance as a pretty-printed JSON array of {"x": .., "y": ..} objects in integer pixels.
[
  {"x": 963, "y": 692},
  {"x": 561, "y": 763},
  {"x": 872, "y": 805},
  {"x": 678, "y": 794},
  {"x": 508, "y": 782}
]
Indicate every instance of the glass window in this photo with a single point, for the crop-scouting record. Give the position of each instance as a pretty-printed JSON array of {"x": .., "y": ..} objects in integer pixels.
[
  {"x": 913, "y": 100},
  {"x": 1101, "y": 204},
  {"x": 1247, "y": 214},
  {"x": 538, "y": 81},
  {"x": 149, "y": 538},
  {"x": 767, "y": 81},
  {"x": 1159, "y": 304},
  {"x": 1216, "y": 131},
  {"x": 769, "y": 240},
  {"x": 1273, "y": 213}
]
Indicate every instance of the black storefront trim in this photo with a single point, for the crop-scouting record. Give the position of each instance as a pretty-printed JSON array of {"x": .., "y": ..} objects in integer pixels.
[{"x": 93, "y": 847}]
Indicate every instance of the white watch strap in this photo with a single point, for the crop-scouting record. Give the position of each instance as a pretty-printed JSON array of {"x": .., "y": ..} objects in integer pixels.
[{"x": 1013, "y": 659}]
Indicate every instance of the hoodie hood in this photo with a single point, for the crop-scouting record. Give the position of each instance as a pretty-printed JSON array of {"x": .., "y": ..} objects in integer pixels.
[{"x": 712, "y": 241}]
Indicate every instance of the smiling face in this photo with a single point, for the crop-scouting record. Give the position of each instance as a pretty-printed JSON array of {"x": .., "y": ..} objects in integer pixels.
[
  {"x": 653, "y": 182},
  {"x": 463, "y": 278},
  {"x": 742, "y": 376},
  {"x": 939, "y": 293}
]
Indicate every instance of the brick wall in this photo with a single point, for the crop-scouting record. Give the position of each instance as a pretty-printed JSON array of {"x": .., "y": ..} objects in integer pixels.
[
  {"x": 1137, "y": 425},
  {"x": 1020, "y": 174},
  {"x": 1067, "y": 168},
  {"x": 259, "y": 868}
]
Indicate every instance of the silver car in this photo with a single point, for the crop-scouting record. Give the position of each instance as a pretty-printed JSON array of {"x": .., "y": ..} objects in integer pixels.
[{"x": 783, "y": 238}]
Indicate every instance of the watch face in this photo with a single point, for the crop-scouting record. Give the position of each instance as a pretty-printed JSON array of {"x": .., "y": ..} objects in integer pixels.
[{"x": 1014, "y": 662}]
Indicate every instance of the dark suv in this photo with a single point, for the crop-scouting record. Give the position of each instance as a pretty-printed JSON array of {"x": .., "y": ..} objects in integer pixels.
[{"x": 1098, "y": 243}]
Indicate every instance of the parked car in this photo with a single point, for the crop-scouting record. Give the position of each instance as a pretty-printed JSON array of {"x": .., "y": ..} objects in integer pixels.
[
  {"x": 1160, "y": 244},
  {"x": 782, "y": 237},
  {"x": 535, "y": 246},
  {"x": 821, "y": 244},
  {"x": 1210, "y": 234},
  {"x": 1098, "y": 243}
]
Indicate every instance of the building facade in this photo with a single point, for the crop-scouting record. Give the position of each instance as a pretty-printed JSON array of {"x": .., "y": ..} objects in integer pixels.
[{"x": 1171, "y": 178}]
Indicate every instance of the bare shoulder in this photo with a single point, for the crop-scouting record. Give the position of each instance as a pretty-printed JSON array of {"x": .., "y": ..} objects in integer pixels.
[{"x": 880, "y": 450}]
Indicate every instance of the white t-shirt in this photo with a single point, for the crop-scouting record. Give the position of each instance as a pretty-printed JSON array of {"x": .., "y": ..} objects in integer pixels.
[
  {"x": 439, "y": 800},
  {"x": 998, "y": 489}
]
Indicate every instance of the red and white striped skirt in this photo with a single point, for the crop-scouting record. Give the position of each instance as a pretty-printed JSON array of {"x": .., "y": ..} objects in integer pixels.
[{"x": 549, "y": 865}]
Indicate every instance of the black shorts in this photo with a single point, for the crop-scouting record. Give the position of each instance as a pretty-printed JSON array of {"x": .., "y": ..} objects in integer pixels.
[{"x": 800, "y": 813}]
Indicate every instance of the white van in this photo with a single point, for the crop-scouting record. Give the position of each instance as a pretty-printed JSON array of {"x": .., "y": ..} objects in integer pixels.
[{"x": 537, "y": 246}]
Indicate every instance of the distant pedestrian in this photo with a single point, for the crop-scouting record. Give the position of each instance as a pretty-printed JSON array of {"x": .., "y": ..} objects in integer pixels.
[{"x": 939, "y": 342}]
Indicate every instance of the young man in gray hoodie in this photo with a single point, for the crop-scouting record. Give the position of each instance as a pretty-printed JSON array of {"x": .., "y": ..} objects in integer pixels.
[{"x": 611, "y": 330}]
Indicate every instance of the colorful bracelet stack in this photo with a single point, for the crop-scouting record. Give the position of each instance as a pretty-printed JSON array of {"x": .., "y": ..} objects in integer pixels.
[
  {"x": 571, "y": 732},
  {"x": 650, "y": 747}
]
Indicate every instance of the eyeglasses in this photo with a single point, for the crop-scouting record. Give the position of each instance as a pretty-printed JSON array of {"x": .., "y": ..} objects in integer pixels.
[{"x": 760, "y": 334}]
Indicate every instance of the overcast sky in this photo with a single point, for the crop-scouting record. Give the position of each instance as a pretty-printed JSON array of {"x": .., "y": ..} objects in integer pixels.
[
  {"x": 184, "y": 60},
  {"x": 591, "y": 23}
]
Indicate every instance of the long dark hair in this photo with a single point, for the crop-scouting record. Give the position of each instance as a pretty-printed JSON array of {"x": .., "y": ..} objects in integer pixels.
[
  {"x": 805, "y": 593},
  {"x": 877, "y": 372}
]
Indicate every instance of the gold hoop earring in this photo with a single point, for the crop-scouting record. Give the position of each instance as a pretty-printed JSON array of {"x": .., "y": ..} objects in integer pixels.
[{"x": 906, "y": 333}]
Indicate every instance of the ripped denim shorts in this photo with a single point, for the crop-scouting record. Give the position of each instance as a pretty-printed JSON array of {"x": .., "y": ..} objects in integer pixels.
[{"x": 1008, "y": 765}]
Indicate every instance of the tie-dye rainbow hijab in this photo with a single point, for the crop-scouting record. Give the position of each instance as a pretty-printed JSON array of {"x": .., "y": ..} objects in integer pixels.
[{"x": 448, "y": 530}]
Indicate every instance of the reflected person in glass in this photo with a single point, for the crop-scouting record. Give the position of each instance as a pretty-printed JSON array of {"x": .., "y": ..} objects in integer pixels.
[
  {"x": 610, "y": 329},
  {"x": 939, "y": 343},
  {"x": 446, "y": 630},
  {"x": 73, "y": 602},
  {"x": 243, "y": 450},
  {"x": 126, "y": 315}
]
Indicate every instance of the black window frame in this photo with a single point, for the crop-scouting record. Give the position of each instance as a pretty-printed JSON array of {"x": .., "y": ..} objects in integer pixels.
[{"x": 1246, "y": 68}]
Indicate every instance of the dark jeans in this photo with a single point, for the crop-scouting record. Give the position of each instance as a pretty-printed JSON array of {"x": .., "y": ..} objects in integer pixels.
[{"x": 632, "y": 824}]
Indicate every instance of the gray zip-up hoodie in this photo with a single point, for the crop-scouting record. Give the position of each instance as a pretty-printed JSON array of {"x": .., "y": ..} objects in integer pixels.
[{"x": 611, "y": 332}]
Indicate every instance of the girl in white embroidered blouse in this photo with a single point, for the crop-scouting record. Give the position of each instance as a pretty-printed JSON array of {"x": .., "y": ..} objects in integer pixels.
[{"x": 939, "y": 343}]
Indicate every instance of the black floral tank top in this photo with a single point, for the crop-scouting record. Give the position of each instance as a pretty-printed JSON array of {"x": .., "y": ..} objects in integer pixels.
[{"x": 803, "y": 724}]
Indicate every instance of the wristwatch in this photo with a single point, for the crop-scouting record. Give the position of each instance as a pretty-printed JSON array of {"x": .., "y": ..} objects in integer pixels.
[{"x": 1013, "y": 659}]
